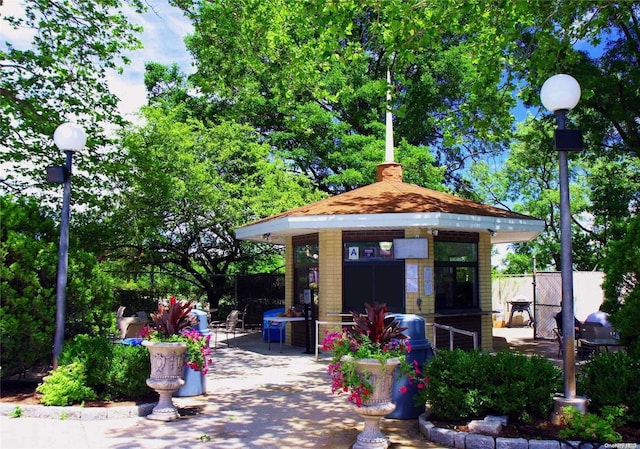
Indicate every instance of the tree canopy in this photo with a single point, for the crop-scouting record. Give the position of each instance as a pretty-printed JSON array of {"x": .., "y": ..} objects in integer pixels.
[
  {"x": 58, "y": 76},
  {"x": 291, "y": 95},
  {"x": 189, "y": 187}
]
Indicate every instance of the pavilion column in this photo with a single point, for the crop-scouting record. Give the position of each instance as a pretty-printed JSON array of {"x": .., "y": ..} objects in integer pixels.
[{"x": 330, "y": 276}]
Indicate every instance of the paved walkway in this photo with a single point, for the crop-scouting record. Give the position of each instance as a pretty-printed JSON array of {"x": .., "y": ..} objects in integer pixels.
[{"x": 257, "y": 398}]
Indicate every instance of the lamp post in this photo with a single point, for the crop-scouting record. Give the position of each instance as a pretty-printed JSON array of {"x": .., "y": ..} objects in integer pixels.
[
  {"x": 560, "y": 94},
  {"x": 69, "y": 138}
]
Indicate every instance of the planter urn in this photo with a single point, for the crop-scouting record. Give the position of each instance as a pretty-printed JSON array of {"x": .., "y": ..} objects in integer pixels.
[
  {"x": 166, "y": 376},
  {"x": 381, "y": 376}
]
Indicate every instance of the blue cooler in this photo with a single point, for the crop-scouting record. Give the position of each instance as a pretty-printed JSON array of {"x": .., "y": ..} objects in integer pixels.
[
  {"x": 421, "y": 351},
  {"x": 271, "y": 331}
]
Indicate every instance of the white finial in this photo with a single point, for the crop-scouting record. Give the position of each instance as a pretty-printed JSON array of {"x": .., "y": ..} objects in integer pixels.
[{"x": 388, "y": 152}]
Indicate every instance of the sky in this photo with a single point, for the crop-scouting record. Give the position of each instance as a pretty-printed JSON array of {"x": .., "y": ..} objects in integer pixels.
[{"x": 163, "y": 38}]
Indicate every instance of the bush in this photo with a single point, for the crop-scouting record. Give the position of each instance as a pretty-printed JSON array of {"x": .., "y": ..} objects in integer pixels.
[
  {"x": 65, "y": 386},
  {"x": 472, "y": 384},
  {"x": 591, "y": 427},
  {"x": 111, "y": 371},
  {"x": 28, "y": 260},
  {"x": 129, "y": 371},
  {"x": 94, "y": 354},
  {"x": 611, "y": 380}
]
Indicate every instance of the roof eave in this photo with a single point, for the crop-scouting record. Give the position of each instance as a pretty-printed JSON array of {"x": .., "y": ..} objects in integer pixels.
[{"x": 507, "y": 229}]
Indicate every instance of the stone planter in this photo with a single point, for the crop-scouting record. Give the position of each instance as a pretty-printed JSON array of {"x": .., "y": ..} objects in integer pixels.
[
  {"x": 379, "y": 404},
  {"x": 166, "y": 376}
]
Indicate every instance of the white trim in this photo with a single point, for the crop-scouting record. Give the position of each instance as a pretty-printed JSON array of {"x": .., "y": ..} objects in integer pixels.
[{"x": 508, "y": 229}]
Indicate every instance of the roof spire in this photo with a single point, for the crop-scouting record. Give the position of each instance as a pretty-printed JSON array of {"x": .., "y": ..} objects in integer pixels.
[{"x": 388, "y": 152}]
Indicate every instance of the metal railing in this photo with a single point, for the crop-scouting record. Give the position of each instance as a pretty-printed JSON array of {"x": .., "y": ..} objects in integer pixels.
[
  {"x": 452, "y": 331},
  {"x": 339, "y": 324}
]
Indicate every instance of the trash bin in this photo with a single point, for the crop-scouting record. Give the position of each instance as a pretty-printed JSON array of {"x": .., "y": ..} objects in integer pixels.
[
  {"x": 421, "y": 351},
  {"x": 193, "y": 383},
  {"x": 203, "y": 325},
  {"x": 271, "y": 331}
]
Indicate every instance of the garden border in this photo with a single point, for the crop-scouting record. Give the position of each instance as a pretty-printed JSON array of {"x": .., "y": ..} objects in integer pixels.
[
  {"x": 467, "y": 440},
  {"x": 76, "y": 412}
]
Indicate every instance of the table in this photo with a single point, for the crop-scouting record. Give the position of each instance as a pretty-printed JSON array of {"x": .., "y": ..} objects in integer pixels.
[
  {"x": 598, "y": 343},
  {"x": 281, "y": 319},
  {"x": 520, "y": 306}
]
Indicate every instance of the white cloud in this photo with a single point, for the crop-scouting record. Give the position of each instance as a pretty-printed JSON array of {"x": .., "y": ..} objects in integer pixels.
[
  {"x": 163, "y": 39},
  {"x": 20, "y": 38}
]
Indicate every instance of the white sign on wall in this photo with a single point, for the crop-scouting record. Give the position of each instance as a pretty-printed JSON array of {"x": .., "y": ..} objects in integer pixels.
[{"x": 354, "y": 253}]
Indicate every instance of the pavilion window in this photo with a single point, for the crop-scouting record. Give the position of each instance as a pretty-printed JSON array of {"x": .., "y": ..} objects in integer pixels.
[
  {"x": 306, "y": 274},
  {"x": 456, "y": 276}
]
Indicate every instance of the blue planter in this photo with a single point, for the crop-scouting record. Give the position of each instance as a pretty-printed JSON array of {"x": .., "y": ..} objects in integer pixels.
[{"x": 194, "y": 383}]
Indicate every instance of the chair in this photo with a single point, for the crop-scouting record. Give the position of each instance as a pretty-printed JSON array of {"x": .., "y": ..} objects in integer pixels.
[
  {"x": 242, "y": 315},
  {"x": 142, "y": 317},
  {"x": 587, "y": 332},
  {"x": 229, "y": 327},
  {"x": 130, "y": 326},
  {"x": 558, "y": 335}
]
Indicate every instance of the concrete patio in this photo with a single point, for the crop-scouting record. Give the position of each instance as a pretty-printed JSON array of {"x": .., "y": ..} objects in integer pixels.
[{"x": 257, "y": 398}]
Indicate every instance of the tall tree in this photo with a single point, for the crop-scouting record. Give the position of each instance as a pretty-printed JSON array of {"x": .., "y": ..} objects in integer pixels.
[
  {"x": 319, "y": 97},
  {"x": 189, "y": 187}
]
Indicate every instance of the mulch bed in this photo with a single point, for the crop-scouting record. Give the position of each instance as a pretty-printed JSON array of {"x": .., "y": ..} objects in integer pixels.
[{"x": 22, "y": 392}]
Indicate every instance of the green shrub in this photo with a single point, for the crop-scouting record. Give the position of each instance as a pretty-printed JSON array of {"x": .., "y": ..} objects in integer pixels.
[
  {"x": 591, "y": 427},
  {"x": 611, "y": 380},
  {"x": 94, "y": 354},
  {"x": 472, "y": 384},
  {"x": 522, "y": 386},
  {"x": 28, "y": 260},
  {"x": 65, "y": 386},
  {"x": 112, "y": 370},
  {"x": 129, "y": 371},
  {"x": 451, "y": 388}
]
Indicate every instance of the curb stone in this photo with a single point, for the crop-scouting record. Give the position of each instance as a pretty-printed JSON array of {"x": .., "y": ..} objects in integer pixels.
[
  {"x": 465, "y": 440},
  {"x": 77, "y": 413}
]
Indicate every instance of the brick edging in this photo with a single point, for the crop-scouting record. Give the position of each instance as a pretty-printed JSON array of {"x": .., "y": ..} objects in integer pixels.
[
  {"x": 75, "y": 412},
  {"x": 466, "y": 440}
]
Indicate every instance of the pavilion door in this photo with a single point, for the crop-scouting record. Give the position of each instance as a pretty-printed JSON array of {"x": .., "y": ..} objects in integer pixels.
[{"x": 370, "y": 282}]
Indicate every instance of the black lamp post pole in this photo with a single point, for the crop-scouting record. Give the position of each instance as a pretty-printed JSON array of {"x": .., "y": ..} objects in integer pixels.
[
  {"x": 559, "y": 94},
  {"x": 566, "y": 268},
  {"x": 63, "y": 261}
]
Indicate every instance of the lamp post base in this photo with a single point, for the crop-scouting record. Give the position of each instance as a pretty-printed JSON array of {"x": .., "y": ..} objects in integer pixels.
[{"x": 559, "y": 402}]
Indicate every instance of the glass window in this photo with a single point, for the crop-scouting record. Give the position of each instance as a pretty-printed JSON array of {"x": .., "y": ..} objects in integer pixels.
[
  {"x": 456, "y": 276},
  {"x": 306, "y": 254},
  {"x": 306, "y": 275},
  {"x": 456, "y": 252}
]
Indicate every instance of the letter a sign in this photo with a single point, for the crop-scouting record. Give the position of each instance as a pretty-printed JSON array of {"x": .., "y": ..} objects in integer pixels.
[{"x": 354, "y": 253}]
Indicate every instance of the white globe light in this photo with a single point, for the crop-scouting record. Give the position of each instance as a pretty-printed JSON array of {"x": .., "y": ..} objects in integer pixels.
[
  {"x": 560, "y": 92},
  {"x": 70, "y": 137}
]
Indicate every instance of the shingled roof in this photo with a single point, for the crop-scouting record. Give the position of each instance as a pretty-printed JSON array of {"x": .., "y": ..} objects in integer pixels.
[{"x": 390, "y": 203}]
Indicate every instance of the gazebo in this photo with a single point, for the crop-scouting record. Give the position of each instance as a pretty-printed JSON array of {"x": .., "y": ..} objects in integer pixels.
[{"x": 418, "y": 250}]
